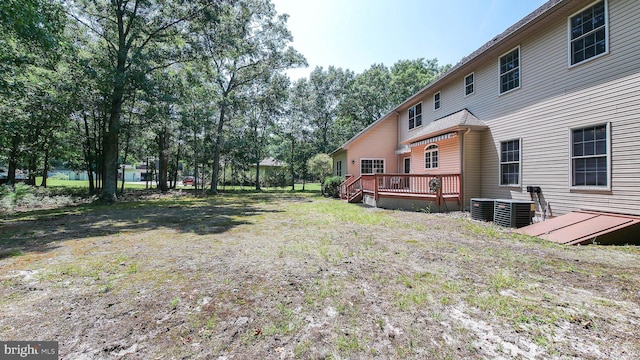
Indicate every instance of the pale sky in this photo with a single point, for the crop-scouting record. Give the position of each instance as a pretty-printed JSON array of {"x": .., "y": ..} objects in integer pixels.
[{"x": 354, "y": 34}]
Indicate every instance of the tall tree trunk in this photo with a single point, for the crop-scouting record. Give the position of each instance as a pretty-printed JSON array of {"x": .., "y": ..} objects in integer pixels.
[
  {"x": 124, "y": 160},
  {"x": 13, "y": 159},
  {"x": 45, "y": 173},
  {"x": 33, "y": 168},
  {"x": 110, "y": 173},
  {"x": 147, "y": 175},
  {"x": 127, "y": 143},
  {"x": 109, "y": 182},
  {"x": 195, "y": 161},
  {"x": 216, "y": 154},
  {"x": 293, "y": 170},
  {"x": 258, "y": 175},
  {"x": 87, "y": 156},
  {"x": 176, "y": 169},
  {"x": 163, "y": 145}
]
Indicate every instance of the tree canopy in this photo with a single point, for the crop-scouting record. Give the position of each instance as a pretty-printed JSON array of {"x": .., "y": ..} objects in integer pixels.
[{"x": 193, "y": 88}]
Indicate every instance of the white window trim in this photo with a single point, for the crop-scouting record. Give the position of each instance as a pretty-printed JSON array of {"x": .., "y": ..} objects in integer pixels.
[
  {"x": 590, "y": 187},
  {"x": 414, "y": 121},
  {"x": 439, "y": 93},
  {"x": 464, "y": 84},
  {"x": 384, "y": 165},
  {"x": 424, "y": 159},
  {"x": 519, "y": 162},
  {"x": 606, "y": 34},
  {"x": 519, "y": 67}
]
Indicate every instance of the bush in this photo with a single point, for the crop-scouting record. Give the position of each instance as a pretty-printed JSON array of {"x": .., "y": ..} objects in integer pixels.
[{"x": 331, "y": 186}]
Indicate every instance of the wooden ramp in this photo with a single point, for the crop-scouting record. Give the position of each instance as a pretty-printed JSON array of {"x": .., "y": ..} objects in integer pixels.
[{"x": 583, "y": 227}]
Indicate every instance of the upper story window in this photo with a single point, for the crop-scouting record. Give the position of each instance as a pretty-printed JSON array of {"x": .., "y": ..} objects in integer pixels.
[
  {"x": 415, "y": 116},
  {"x": 588, "y": 33},
  {"x": 510, "y": 70},
  {"x": 436, "y": 101},
  {"x": 339, "y": 168},
  {"x": 468, "y": 84},
  {"x": 431, "y": 157},
  {"x": 590, "y": 158},
  {"x": 510, "y": 162}
]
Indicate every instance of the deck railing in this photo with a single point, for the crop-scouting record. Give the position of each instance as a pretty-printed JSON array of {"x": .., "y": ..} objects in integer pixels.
[
  {"x": 350, "y": 188},
  {"x": 408, "y": 185}
]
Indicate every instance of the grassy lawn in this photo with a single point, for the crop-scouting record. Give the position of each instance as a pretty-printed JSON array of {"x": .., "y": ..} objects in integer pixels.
[
  {"x": 53, "y": 182},
  {"x": 294, "y": 275}
]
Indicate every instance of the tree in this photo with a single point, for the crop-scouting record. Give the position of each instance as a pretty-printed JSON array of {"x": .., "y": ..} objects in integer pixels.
[
  {"x": 30, "y": 32},
  {"x": 265, "y": 104},
  {"x": 410, "y": 76},
  {"x": 250, "y": 42},
  {"x": 377, "y": 90},
  {"x": 368, "y": 98},
  {"x": 321, "y": 166},
  {"x": 139, "y": 37},
  {"x": 326, "y": 91}
]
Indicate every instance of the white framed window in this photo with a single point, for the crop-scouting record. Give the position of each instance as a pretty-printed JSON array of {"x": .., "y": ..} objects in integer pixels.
[
  {"x": 591, "y": 157},
  {"x": 510, "y": 163},
  {"x": 436, "y": 101},
  {"x": 339, "y": 168},
  {"x": 509, "y": 66},
  {"x": 588, "y": 33},
  {"x": 431, "y": 157},
  {"x": 371, "y": 166},
  {"x": 415, "y": 116},
  {"x": 469, "y": 84}
]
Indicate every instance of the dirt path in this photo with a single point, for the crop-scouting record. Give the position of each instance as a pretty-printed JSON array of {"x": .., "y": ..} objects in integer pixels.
[{"x": 295, "y": 276}]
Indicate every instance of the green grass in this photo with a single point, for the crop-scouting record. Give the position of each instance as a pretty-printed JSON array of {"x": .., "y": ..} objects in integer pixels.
[
  {"x": 53, "y": 182},
  {"x": 315, "y": 277}
]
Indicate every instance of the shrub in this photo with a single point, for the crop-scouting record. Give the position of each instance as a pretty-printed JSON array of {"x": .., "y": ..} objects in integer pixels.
[{"x": 331, "y": 186}]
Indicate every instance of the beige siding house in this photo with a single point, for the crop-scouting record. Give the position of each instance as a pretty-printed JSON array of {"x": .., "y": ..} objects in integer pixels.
[{"x": 553, "y": 102}]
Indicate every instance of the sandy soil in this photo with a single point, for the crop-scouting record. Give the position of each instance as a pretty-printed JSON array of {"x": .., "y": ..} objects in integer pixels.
[{"x": 283, "y": 276}]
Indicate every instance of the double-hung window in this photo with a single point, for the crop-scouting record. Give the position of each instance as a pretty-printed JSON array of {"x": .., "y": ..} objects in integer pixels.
[
  {"x": 415, "y": 116},
  {"x": 436, "y": 101},
  {"x": 590, "y": 158},
  {"x": 339, "y": 168},
  {"x": 588, "y": 33},
  {"x": 371, "y": 166},
  {"x": 510, "y": 70},
  {"x": 431, "y": 157},
  {"x": 468, "y": 84},
  {"x": 510, "y": 163}
]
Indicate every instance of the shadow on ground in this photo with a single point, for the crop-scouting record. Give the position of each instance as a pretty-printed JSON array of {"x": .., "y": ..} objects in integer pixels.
[{"x": 39, "y": 230}]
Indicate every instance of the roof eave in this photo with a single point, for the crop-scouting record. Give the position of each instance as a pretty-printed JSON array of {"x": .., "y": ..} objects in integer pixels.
[
  {"x": 444, "y": 131},
  {"x": 468, "y": 61}
]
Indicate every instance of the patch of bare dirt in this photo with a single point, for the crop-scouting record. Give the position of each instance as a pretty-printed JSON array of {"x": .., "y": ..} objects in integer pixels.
[{"x": 285, "y": 276}]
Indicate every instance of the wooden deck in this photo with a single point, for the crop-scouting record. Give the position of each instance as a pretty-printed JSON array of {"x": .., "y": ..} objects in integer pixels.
[{"x": 402, "y": 186}]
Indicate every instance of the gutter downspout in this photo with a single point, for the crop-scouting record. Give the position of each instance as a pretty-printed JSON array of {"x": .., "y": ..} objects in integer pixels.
[{"x": 398, "y": 156}]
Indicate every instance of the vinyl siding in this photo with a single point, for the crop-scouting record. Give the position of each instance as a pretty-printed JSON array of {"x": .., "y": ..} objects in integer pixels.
[
  {"x": 553, "y": 98},
  {"x": 341, "y": 156},
  {"x": 472, "y": 166},
  {"x": 448, "y": 158},
  {"x": 380, "y": 142}
]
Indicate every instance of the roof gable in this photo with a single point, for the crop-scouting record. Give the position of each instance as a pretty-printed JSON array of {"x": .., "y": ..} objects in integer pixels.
[{"x": 460, "y": 119}]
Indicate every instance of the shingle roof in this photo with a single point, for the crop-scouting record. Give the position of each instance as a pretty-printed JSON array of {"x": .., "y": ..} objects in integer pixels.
[
  {"x": 271, "y": 162},
  {"x": 510, "y": 31},
  {"x": 462, "y": 118},
  {"x": 513, "y": 30}
]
